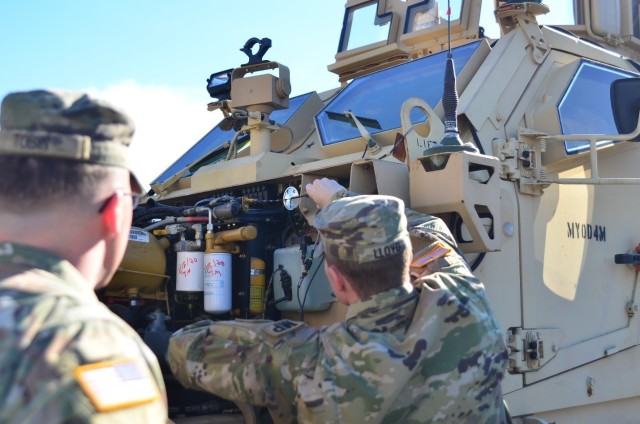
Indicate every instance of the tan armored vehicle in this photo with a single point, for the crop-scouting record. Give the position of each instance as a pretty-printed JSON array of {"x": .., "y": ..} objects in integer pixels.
[{"x": 536, "y": 172}]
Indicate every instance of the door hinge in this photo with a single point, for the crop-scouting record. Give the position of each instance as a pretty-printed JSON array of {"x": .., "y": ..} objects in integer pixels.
[{"x": 530, "y": 349}]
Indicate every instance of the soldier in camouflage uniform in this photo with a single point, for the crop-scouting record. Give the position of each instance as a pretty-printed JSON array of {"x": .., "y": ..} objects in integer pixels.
[
  {"x": 433, "y": 355},
  {"x": 65, "y": 211}
]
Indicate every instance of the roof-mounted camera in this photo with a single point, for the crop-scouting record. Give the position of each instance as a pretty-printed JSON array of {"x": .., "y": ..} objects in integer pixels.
[{"x": 247, "y": 100}]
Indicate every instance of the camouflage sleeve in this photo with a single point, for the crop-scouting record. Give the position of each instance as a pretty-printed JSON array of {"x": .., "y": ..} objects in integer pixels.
[
  {"x": 81, "y": 372},
  {"x": 246, "y": 361},
  {"x": 429, "y": 228},
  {"x": 438, "y": 262}
]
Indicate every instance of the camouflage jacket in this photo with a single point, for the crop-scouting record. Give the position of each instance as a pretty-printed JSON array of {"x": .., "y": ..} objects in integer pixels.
[
  {"x": 401, "y": 356},
  {"x": 64, "y": 357}
]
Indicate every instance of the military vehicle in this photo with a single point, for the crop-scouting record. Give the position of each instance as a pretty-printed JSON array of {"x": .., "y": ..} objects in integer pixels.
[{"x": 537, "y": 175}]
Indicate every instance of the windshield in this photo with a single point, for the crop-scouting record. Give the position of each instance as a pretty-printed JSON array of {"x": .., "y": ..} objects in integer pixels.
[
  {"x": 376, "y": 99},
  {"x": 215, "y": 138}
]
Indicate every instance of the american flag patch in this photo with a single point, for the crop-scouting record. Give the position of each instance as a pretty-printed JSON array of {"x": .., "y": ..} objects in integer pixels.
[
  {"x": 116, "y": 385},
  {"x": 436, "y": 253}
]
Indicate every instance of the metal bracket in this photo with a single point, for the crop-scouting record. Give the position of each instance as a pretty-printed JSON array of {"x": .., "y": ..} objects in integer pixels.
[
  {"x": 523, "y": 15},
  {"x": 521, "y": 160},
  {"x": 372, "y": 147},
  {"x": 593, "y": 140},
  {"x": 539, "y": 47},
  {"x": 416, "y": 143},
  {"x": 531, "y": 349}
]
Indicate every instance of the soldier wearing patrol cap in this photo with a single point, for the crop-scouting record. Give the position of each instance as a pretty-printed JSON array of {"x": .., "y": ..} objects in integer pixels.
[
  {"x": 431, "y": 355},
  {"x": 66, "y": 198}
]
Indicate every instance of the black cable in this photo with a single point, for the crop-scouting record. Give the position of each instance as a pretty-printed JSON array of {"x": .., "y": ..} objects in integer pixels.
[
  {"x": 366, "y": 147},
  {"x": 298, "y": 297},
  {"x": 306, "y": 292},
  {"x": 292, "y": 225},
  {"x": 287, "y": 287},
  {"x": 478, "y": 260},
  {"x": 285, "y": 281},
  {"x": 269, "y": 289},
  {"x": 307, "y": 263},
  {"x": 476, "y": 139},
  {"x": 142, "y": 215},
  {"x": 456, "y": 224},
  {"x": 305, "y": 270}
]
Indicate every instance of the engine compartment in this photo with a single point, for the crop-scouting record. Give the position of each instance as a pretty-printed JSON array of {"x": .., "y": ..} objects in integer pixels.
[{"x": 238, "y": 254}]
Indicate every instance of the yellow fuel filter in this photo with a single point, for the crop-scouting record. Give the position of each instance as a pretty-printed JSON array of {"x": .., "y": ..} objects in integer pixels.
[{"x": 143, "y": 265}]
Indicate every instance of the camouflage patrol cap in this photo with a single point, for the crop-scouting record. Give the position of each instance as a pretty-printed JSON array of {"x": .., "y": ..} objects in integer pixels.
[
  {"x": 363, "y": 228},
  {"x": 65, "y": 125}
]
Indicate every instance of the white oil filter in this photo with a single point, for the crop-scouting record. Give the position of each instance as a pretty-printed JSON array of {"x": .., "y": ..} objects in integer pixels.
[
  {"x": 217, "y": 282},
  {"x": 190, "y": 271}
]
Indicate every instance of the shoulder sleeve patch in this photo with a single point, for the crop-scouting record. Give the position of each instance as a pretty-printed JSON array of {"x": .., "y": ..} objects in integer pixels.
[
  {"x": 114, "y": 385},
  {"x": 437, "y": 252},
  {"x": 279, "y": 328}
]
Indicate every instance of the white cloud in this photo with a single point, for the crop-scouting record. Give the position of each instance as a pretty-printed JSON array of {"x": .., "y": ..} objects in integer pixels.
[{"x": 168, "y": 122}]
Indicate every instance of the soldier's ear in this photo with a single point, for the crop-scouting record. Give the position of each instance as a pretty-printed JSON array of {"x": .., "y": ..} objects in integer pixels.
[
  {"x": 341, "y": 285},
  {"x": 332, "y": 272},
  {"x": 112, "y": 215}
]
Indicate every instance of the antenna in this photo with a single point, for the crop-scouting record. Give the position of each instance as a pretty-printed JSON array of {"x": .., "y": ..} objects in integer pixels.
[
  {"x": 450, "y": 95},
  {"x": 451, "y": 141}
]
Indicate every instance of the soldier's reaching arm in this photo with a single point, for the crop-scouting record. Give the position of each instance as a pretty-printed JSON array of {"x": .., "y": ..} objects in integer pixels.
[{"x": 245, "y": 361}]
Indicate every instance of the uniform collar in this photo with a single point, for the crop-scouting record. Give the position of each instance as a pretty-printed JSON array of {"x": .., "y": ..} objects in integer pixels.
[
  {"x": 369, "y": 311},
  {"x": 25, "y": 257}
]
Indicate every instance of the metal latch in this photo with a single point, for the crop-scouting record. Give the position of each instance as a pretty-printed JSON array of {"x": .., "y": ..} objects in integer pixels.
[
  {"x": 531, "y": 349},
  {"x": 521, "y": 160}
]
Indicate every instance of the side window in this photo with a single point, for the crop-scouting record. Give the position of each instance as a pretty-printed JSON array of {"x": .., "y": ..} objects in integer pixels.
[
  {"x": 585, "y": 108},
  {"x": 362, "y": 26},
  {"x": 430, "y": 13}
]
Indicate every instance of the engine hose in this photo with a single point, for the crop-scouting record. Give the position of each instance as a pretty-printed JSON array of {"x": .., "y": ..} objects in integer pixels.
[
  {"x": 175, "y": 220},
  {"x": 141, "y": 214},
  {"x": 151, "y": 203}
]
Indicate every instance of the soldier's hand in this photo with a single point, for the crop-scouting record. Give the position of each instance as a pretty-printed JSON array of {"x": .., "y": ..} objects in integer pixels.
[{"x": 323, "y": 191}]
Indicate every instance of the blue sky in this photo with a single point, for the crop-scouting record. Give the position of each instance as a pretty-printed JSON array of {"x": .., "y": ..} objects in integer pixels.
[
  {"x": 152, "y": 57},
  {"x": 79, "y": 44}
]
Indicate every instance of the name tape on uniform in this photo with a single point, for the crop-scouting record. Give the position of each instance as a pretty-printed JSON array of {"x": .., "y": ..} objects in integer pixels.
[
  {"x": 114, "y": 385},
  {"x": 437, "y": 252}
]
